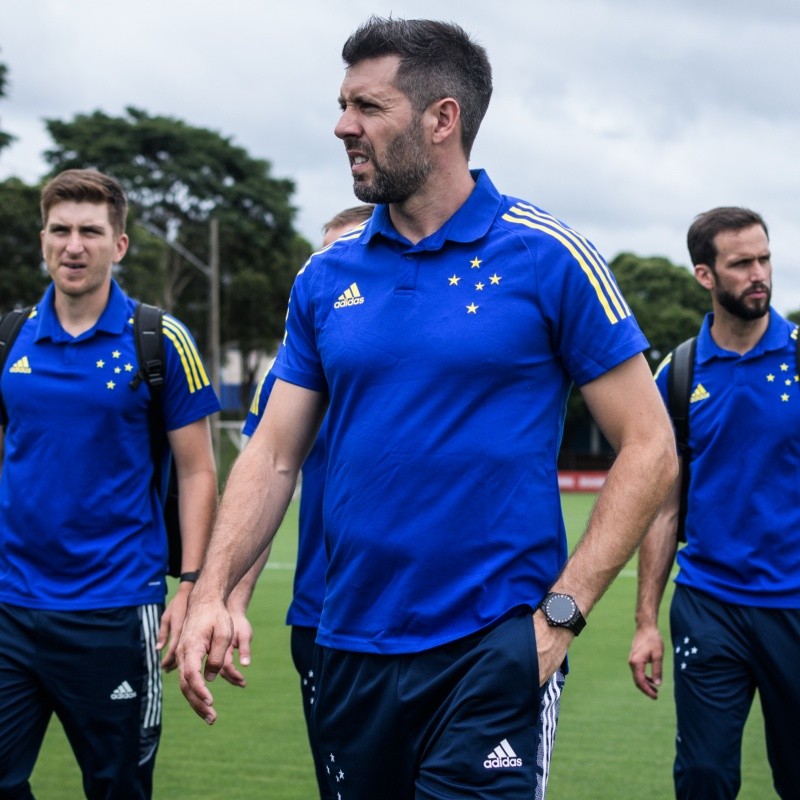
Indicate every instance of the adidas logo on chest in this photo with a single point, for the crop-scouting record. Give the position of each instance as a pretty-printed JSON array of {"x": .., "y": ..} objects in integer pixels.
[{"x": 349, "y": 297}]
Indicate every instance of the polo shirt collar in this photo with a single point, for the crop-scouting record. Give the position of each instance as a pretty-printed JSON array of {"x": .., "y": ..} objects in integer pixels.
[
  {"x": 776, "y": 337},
  {"x": 471, "y": 222},
  {"x": 113, "y": 319}
]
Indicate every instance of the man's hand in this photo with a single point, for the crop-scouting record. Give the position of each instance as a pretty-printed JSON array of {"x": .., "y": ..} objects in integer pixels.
[
  {"x": 171, "y": 624},
  {"x": 551, "y": 646},
  {"x": 207, "y": 634},
  {"x": 647, "y": 648},
  {"x": 242, "y": 636}
]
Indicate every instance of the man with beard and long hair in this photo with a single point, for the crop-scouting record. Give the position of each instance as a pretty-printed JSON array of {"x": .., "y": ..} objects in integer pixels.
[
  {"x": 735, "y": 613},
  {"x": 443, "y": 339}
]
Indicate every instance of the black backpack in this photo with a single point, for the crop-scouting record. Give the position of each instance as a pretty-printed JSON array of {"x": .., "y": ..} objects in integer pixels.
[
  {"x": 679, "y": 392},
  {"x": 147, "y": 324}
]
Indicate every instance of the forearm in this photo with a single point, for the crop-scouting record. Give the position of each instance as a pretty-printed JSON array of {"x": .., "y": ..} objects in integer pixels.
[
  {"x": 656, "y": 556},
  {"x": 258, "y": 492},
  {"x": 239, "y": 598},
  {"x": 197, "y": 502},
  {"x": 636, "y": 487}
]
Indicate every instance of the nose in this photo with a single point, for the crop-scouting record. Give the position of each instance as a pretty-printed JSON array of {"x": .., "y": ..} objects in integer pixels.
[
  {"x": 759, "y": 272},
  {"x": 74, "y": 242},
  {"x": 347, "y": 126}
]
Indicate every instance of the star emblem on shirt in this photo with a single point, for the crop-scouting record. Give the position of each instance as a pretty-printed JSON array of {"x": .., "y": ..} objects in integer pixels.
[
  {"x": 116, "y": 354},
  {"x": 129, "y": 368},
  {"x": 110, "y": 385},
  {"x": 495, "y": 279},
  {"x": 100, "y": 363},
  {"x": 785, "y": 398},
  {"x": 771, "y": 378},
  {"x": 475, "y": 263},
  {"x": 454, "y": 280},
  {"x": 479, "y": 286},
  {"x": 784, "y": 367},
  {"x": 472, "y": 308}
]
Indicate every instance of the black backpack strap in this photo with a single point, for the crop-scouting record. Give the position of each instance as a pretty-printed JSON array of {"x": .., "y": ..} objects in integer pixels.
[
  {"x": 10, "y": 325},
  {"x": 679, "y": 391},
  {"x": 147, "y": 329}
]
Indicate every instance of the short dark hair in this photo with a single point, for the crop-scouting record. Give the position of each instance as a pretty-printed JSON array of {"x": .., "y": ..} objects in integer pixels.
[
  {"x": 437, "y": 60},
  {"x": 87, "y": 186},
  {"x": 350, "y": 216},
  {"x": 700, "y": 239}
]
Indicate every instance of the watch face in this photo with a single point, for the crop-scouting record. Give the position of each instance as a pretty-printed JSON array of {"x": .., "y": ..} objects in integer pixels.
[{"x": 560, "y": 608}]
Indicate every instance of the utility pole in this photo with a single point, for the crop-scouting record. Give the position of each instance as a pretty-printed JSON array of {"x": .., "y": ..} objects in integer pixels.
[{"x": 211, "y": 271}]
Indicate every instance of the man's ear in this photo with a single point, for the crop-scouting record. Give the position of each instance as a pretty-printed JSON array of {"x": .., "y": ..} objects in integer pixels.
[
  {"x": 445, "y": 119},
  {"x": 704, "y": 276}
]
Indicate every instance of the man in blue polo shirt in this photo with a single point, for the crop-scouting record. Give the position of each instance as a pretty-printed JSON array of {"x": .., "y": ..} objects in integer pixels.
[
  {"x": 443, "y": 340},
  {"x": 735, "y": 614},
  {"x": 83, "y": 550}
]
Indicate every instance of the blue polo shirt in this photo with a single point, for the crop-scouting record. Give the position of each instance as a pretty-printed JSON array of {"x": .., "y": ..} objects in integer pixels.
[
  {"x": 743, "y": 510},
  {"x": 448, "y": 364},
  {"x": 309, "y": 577},
  {"x": 80, "y": 524}
]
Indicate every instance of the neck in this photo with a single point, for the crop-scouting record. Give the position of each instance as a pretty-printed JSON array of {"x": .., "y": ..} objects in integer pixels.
[
  {"x": 77, "y": 314},
  {"x": 427, "y": 210},
  {"x": 736, "y": 334}
]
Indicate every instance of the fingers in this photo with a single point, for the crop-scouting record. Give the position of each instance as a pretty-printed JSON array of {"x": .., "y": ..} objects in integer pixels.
[
  {"x": 163, "y": 629},
  {"x": 207, "y": 634},
  {"x": 647, "y": 650},
  {"x": 229, "y": 671},
  {"x": 170, "y": 629},
  {"x": 199, "y": 698}
]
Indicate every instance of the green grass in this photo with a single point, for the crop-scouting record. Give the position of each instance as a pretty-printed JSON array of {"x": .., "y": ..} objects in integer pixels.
[{"x": 612, "y": 741}]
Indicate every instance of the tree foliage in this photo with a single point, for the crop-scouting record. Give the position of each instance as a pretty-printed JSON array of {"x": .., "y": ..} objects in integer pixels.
[
  {"x": 177, "y": 178},
  {"x": 22, "y": 277}
]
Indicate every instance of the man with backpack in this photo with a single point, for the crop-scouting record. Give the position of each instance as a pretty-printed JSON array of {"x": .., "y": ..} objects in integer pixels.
[
  {"x": 83, "y": 547},
  {"x": 735, "y": 614}
]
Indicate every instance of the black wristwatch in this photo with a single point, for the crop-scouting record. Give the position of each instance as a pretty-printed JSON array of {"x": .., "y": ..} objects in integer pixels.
[{"x": 561, "y": 611}]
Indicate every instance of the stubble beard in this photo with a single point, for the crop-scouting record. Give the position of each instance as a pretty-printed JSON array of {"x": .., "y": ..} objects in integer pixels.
[
  {"x": 738, "y": 307},
  {"x": 404, "y": 169}
]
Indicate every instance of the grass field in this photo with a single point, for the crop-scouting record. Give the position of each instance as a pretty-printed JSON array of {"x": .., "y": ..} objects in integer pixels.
[{"x": 612, "y": 741}]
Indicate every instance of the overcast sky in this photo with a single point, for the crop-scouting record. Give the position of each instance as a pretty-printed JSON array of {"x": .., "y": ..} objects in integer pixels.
[{"x": 624, "y": 118}]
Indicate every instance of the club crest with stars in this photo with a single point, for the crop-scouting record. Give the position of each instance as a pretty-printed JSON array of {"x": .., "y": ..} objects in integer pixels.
[
  {"x": 114, "y": 369},
  {"x": 475, "y": 284}
]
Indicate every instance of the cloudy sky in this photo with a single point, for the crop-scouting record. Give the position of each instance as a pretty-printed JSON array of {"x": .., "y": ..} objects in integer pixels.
[{"x": 623, "y": 117}]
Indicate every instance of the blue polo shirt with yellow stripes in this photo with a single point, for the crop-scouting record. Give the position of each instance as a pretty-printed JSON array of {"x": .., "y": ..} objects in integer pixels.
[
  {"x": 80, "y": 523},
  {"x": 743, "y": 509},
  {"x": 448, "y": 364}
]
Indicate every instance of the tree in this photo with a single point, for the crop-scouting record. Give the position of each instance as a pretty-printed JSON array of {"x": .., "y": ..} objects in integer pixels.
[
  {"x": 669, "y": 306},
  {"x": 177, "y": 178},
  {"x": 5, "y": 138},
  {"x": 22, "y": 277},
  {"x": 667, "y": 301},
  {"x": 794, "y": 316}
]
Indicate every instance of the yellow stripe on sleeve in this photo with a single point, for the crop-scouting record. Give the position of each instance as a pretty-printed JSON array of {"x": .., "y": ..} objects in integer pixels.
[
  {"x": 195, "y": 372},
  {"x": 590, "y": 261}
]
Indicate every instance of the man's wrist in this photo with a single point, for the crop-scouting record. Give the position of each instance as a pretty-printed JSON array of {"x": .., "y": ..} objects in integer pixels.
[{"x": 189, "y": 577}]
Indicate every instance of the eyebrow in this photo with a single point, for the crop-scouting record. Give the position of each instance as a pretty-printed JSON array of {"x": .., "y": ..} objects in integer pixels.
[{"x": 87, "y": 228}]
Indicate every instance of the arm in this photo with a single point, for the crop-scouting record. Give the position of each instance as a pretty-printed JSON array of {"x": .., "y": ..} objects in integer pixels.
[
  {"x": 628, "y": 409},
  {"x": 197, "y": 500},
  {"x": 259, "y": 489},
  {"x": 655, "y": 563}
]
